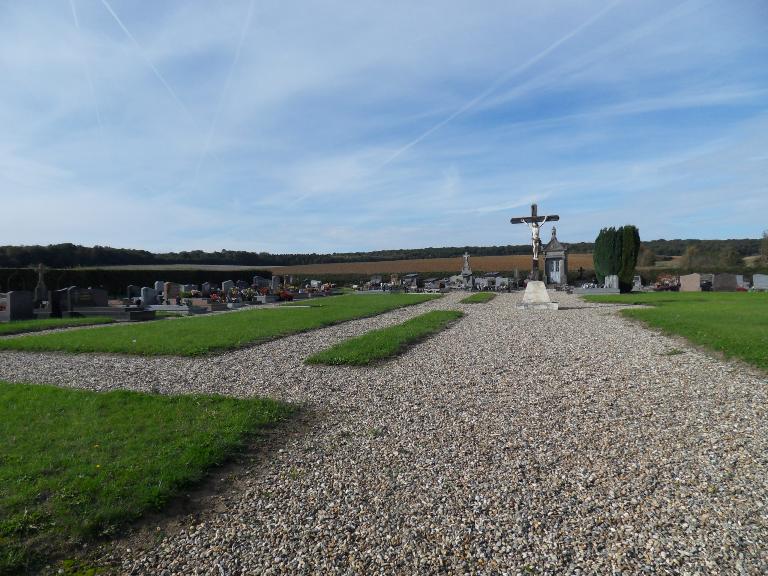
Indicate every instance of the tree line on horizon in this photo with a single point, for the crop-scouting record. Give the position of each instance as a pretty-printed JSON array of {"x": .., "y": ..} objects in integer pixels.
[{"x": 74, "y": 256}]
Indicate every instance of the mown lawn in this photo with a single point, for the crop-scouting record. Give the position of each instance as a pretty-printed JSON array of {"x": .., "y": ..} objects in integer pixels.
[
  {"x": 202, "y": 334},
  {"x": 478, "y": 298},
  {"x": 21, "y": 326},
  {"x": 76, "y": 466},
  {"x": 734, "y": 323},
  {"x": 387, "y": 342}
]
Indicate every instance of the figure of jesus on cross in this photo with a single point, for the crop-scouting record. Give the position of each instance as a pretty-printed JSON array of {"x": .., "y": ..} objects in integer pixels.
[{"x": 534, "y": 222}]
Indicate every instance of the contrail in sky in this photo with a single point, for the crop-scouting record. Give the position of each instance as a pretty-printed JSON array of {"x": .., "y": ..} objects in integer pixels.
[
  {"x": 87, "y": 68},
  {"x": 225, "y": 89},
  {"x": 144, "y": 56},
  {"x": 501, "y": 80}
]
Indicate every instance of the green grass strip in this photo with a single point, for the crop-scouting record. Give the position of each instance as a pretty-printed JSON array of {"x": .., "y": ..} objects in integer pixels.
[
  {"x": 734, "y": 323},
  {"x": 21, "y": 326},
  {"x": 76, "y": 466},
  {"x": 198, "y": 335},
  {"x": 478, "y": 298},
  {"x": 386, "y": 342}
]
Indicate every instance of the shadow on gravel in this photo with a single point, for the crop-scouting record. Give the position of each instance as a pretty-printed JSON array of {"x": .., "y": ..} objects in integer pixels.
[{"x": 209, "y": 496}]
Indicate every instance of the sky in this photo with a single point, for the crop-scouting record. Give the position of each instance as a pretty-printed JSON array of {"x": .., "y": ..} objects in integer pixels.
[{"x": 331, "y": 126}]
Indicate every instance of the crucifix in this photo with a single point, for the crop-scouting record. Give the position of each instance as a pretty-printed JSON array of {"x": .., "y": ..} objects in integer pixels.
[{"x": 534, "y": 222}]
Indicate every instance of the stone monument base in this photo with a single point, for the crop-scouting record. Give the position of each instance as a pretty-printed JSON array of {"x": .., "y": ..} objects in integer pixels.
[{"x": 537, "y": 297}]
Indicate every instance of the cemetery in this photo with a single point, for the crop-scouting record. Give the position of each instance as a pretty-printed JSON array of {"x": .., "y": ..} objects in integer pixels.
[
  {"x": 398, "y": 370},
  {"x": 394, "y": 288}
]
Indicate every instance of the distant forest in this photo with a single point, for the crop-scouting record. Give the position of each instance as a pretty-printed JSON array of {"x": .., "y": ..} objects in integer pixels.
[{"x": 73, "y": 256}]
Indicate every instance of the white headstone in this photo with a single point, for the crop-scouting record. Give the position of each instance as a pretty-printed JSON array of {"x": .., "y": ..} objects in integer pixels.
[
  {"x": 148, "y": 296},
  {"x": 226, "y": 286},
  {"x": 760, "y": 281},
  {"x": 159, "y": 285},
  {"x": 612, "y": 281}
]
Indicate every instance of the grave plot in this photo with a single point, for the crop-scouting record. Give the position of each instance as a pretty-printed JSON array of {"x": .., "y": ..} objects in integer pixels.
[
  {"x": 82, "y": 465},
  {"x": 731, "y": 323},
  {"x": 200, "y": 335},
  {"x": 387, "y": 342}
]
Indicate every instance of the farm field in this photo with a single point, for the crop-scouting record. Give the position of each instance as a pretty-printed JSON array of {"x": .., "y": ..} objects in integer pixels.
[{"x": 424, "y": 265}]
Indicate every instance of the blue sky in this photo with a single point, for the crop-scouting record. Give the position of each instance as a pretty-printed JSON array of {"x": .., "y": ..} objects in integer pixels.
[{"x": 338, "y": 126}]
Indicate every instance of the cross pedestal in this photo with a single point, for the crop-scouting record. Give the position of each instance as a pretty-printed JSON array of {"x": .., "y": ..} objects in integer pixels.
[{"x": 537, "y": 297}]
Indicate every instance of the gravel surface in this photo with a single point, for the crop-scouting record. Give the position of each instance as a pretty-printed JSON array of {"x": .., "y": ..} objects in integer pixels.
[{"x": 585, "y": 448}]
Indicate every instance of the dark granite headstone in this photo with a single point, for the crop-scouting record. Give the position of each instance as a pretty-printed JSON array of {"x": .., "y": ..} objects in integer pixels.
[
  {"x": 724, "y": 283},
  {"x": 16, "y": 305}
]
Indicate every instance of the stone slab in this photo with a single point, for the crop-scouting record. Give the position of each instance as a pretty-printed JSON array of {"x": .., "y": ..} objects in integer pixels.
[{"x": 596, "y": 291}]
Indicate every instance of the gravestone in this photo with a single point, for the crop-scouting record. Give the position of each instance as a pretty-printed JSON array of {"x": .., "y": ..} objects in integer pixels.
[
  {"x": 41, "y": 290},
  {"x": 159, "y": 287},
  {"x": 148, "y": 296},
  {"x": 612, "y": 282},
  {"x": 242, "y": 284},
  {"x": 260, "y": 282},
  {"x": 206, "y": 289},
  {"x": 72, "y": 298},
  {"x": 16, "y": 305},
  {"x": 637, "y": 283},
  {"x": 171, "y": 290},
  {"x": 132, "y": 291},
  {"x": 760, "y": 281},
  {"x": 724, "y": 283},
  {"x": 740, "y": 281},
  {"x": 690, "y": 283},
  {"x": 226, "y": 286},
  {"x": 88, "y": 297},
  {"x": 188, "y": 287},
  {"x": 276, "y": 283}
]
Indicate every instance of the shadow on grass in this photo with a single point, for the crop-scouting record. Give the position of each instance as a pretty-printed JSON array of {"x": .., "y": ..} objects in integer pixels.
[
  {"x": 89, "y": 467},
  {"x": 210, "y": 495}
]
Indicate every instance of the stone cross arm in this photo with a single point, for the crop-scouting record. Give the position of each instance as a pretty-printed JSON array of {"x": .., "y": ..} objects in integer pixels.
[
  {"x": 530, "y": 220},
  {"x": 534, "y": 218}
]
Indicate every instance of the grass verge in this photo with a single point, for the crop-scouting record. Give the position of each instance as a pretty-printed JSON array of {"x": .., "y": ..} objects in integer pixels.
[
  {"x": 478, "y": 298},
  {"x": 202, "y": 334},
  {"x": 75, "y": 465},
  {"x": 21, "y": 326},
  {"x": 733, "y": 323},
  {"x": 386, "y": 342}
]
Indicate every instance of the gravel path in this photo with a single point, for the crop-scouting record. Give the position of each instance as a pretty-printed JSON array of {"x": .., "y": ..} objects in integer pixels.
[{"x": 582, "y": 449}]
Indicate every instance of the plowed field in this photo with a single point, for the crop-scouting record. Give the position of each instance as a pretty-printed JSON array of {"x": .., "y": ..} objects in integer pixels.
[{"x": 479, "y": 263}]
